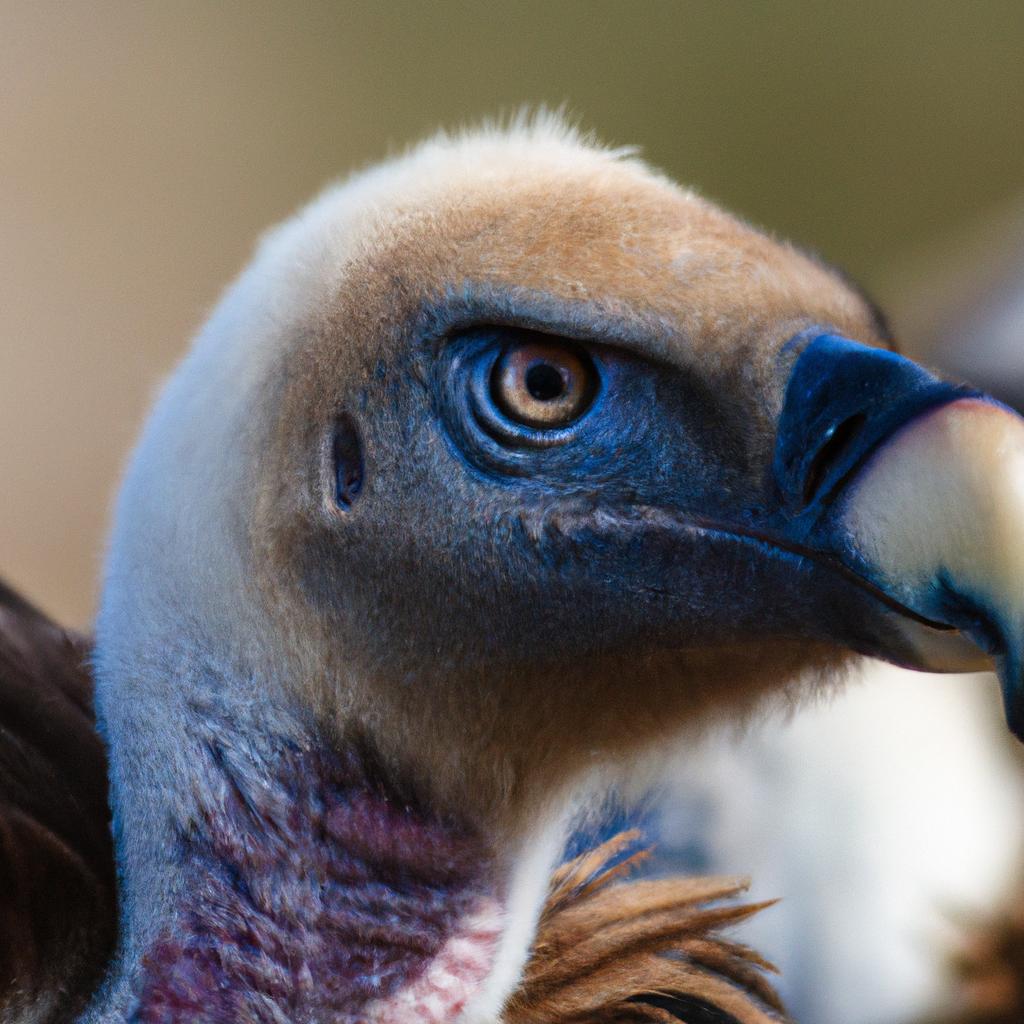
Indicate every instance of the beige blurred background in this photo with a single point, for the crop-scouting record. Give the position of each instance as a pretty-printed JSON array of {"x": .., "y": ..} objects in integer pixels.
[{"x": 144, "y": 146}]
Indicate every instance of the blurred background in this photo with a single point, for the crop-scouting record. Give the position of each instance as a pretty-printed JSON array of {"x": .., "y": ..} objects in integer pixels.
[{"x": 144, "y": 146}]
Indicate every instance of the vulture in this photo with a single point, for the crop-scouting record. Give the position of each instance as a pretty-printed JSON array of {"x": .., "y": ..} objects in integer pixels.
[{"x": 505, "y": 467}]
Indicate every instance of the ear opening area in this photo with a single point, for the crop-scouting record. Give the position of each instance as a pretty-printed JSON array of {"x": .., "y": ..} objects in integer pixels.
[{"x": 349, "y": 470}]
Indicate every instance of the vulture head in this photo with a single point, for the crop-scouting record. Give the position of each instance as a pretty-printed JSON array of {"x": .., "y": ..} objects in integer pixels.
[{"x": 502, "y": 464}]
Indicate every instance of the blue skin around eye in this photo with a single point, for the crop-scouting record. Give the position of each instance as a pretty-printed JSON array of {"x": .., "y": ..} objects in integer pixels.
[
  {"x": 644, "y": 439},
  {"x": 759, "y": 519}
]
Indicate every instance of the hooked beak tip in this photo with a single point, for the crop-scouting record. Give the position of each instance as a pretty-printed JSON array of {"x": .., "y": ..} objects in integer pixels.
[
  {"x": 935, "y": 519},
  {"x": 1009, "y": 669}
]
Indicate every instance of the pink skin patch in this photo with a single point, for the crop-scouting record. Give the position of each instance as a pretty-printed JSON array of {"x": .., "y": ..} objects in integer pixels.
[
  {"x": 453, "y": 977},
  {"x": 318, "y": 891}
]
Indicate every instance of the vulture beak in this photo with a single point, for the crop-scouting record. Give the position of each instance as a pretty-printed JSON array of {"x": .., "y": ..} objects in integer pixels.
[{"x": 917, "y": 486}]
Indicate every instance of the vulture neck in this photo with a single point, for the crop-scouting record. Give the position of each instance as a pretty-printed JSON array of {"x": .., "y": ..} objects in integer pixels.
[{"x": 269, "y": 872}]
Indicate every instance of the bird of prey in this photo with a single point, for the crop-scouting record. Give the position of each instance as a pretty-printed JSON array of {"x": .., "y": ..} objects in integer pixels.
[{"x": 503, "y": 466}]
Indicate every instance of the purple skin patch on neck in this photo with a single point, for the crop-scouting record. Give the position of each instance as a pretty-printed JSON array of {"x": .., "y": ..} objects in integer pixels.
[{"x": 313, "y": 890}]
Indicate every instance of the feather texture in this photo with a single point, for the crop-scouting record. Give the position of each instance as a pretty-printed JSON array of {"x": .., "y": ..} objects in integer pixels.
[
  {"x": 643, "y": 951},
  {"x": 57, "y": 906},
  {"x": 606, "y": 950}
]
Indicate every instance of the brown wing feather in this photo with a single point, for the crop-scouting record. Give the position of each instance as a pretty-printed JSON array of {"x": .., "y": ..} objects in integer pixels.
[
  {"x": 57, "y": 902},
  {"x": 645, "y": 951}
]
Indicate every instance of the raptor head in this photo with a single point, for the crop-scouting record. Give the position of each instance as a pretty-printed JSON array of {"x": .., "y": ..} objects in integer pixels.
[{"x": 518, "y": 458}]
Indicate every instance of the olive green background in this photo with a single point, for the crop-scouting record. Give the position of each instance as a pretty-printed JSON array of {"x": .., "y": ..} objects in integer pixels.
[{"x": 143, "y": 147}]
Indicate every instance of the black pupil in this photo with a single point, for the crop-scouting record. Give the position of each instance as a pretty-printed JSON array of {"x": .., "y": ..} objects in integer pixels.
[{"x": 544, "y": 382}]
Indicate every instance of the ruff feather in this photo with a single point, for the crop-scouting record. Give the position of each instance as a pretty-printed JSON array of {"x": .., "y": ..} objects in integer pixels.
[{"x": 643, "y": 951}]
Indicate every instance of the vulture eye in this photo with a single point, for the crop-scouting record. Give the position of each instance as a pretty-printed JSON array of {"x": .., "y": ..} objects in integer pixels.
[{"x": 545, "y": 385}]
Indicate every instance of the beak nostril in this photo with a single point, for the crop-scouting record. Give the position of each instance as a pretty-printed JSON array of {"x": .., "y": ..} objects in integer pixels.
[
  {"x": 842, "y": 401},
  {"x": 831, "y": 452}
]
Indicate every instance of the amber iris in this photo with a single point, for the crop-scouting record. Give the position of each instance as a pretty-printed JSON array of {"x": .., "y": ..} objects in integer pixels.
[{"x": 543, "y": 385}]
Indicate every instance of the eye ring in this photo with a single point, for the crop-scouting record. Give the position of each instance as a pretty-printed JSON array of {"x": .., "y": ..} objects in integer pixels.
[{"x": 544, "y": 385}]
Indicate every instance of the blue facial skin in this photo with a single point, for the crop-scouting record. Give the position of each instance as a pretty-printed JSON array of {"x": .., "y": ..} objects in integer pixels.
[
  {"x": 641, "y": 440},
  {"x": 679, "y": 514},
  {"x": 654, "y": 516},
  {"x": 656, "y": 438}
]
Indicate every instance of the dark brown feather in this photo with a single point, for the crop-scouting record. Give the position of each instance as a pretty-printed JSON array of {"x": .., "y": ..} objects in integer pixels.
[
  {"x": 57, "y": 897},
  {"x": 644, "y": 951}
]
